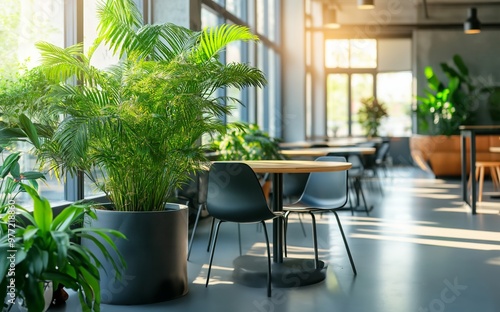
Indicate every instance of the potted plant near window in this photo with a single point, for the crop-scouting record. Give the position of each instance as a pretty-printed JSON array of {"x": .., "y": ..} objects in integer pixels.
[
  {"x": 243, "y": 141},
  {"x": 138, "y": 124},
  {"x": 370, "y": 115}
]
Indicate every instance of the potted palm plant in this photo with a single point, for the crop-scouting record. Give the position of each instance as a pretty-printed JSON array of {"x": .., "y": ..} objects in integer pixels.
[{"x": 134, "y": 129}]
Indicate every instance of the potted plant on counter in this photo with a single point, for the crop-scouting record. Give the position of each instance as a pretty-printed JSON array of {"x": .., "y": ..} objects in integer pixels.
[
  {"x": 447, "y": 104},
  {"x": 134, "y": 129}
]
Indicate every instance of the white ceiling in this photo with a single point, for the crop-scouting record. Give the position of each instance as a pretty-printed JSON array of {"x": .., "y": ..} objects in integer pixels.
[{"x": 413, "y": 12}]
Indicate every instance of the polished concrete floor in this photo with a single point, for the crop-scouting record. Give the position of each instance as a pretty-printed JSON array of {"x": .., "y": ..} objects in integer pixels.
[{"x": 420, "y": 249}]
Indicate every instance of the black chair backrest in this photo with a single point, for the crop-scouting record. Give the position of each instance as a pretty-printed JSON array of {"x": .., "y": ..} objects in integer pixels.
[
  {"x": 382, "y": 152},
  {"x": 234, "y": 194},
  {"x": 326, "y": 190},
  {"x": 357, "y": 165},
  {"x": 294, "y": 183}
]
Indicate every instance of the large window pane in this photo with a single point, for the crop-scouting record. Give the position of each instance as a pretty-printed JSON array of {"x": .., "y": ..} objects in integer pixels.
[
  {"x": 272, "y": 87},
  {"x": 233, "y": 55},
  {"x": 22, "y": 23},
  {"x": 361, "y": 88},
  {"x": 337, "y": 97},
  {"x": 337, "y": 53},
  {"x": 363, "y": 53},
  {"x": 102, "y": 56},
  {"x": 395, "y": 90},
  {"x": 208, "y": 18},
  {"x": 272, "y": 27},
  {"x": 237, "y": 7},
  {"x": 261, "y": 16},
  {"x": 351, "y": 53}
]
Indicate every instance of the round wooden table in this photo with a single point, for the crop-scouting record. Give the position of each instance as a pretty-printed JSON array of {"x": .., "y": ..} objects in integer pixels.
[
  {"x": 323, "y": 151},
  {"x": 288, "y": 272}
]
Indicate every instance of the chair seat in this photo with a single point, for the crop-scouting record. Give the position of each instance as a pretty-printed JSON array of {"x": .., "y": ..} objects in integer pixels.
[{"x": 303, "y": 206}]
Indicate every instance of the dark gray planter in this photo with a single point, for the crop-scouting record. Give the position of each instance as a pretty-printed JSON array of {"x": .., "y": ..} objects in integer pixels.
[{"x": 155, "y": 252}]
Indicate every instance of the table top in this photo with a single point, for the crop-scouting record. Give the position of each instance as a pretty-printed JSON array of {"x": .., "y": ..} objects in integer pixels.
[
  {"x": 322, "y": 151},
  {"x": 337, "y": 142},
  {"x": 481, "y": 128},
  {"x": 294, "y": 166}
]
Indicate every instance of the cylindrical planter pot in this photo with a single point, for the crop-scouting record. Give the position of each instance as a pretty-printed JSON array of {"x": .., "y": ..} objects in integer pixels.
[{"x": 155, "y": 252}]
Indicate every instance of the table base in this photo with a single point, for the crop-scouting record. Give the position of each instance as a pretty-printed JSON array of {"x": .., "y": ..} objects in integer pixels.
[{"x": 252, "y": 271}]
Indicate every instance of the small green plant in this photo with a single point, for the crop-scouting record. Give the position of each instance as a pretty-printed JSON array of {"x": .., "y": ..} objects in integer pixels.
[
  {"x": 36, "y": 248},
  {"x": 447, "y": 104},
  {"x": 370, "y": 115},
  {"x": 243, "y": 141}
]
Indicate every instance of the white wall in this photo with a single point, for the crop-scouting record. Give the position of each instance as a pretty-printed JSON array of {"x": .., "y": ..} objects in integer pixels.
[{"x": 293, "y": 77}]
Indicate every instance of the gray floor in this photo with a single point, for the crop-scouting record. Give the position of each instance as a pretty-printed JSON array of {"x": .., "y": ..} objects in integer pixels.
[{"x": 419, "y": 250}]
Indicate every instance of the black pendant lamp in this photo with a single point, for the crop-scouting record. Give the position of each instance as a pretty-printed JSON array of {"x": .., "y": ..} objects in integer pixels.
[
  {"x": 366, "y": 4},
  {"x": 472, "y": 25}
]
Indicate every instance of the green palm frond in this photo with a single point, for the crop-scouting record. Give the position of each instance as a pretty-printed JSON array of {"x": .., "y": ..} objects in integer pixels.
[
  {"x": 161, "y": 42},
  {"x": 213, "y": 40},
  {"x": 118, "y": 22},
  {"x": 239, "y": 75},
  {"x": 61, "y": 64}
]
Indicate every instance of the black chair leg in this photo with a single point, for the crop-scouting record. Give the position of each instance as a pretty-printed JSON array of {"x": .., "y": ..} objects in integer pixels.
[
  {"x": 286, "y": 229},
  {"x": 211, "y": 234},
  {"x": 195, "y": 226},
  {"x": 363, "y": 198},
  {"x": 349, "y": 193},
  {"x": 239, "y": 237},
  {"x": 315, "y": 241},
  {"x": 269, "y": 275},
  {"x": 345, "y": 243},
  {"x": 359, "y": 192},
  {"x": 212, "y": 251}
]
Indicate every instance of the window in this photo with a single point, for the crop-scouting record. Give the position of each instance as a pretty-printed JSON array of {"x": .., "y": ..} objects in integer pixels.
[
  {"x": 261, "y": 105},
  {"x": 360, "y": 68},
  {"x": 22, "y": 23}
]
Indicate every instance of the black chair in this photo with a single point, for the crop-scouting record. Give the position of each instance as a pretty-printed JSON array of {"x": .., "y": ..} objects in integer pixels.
[
  {"x": 382, "y": 156},
  {"x": 235, "y": 195},
  {"x": 324, "y": 191},
  {"x": 356, "y": 174},
  {"x": 372, "y": 163}
]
